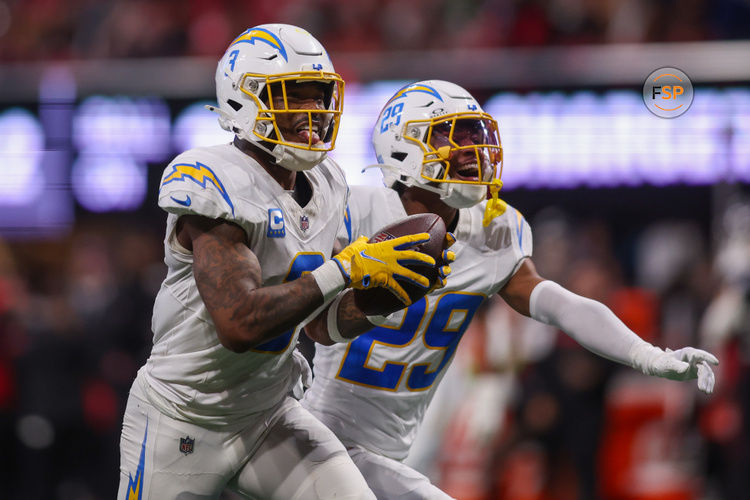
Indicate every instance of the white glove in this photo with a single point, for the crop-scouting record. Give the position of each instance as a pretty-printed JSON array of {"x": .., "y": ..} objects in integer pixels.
[{"x": 683, "y": 364}]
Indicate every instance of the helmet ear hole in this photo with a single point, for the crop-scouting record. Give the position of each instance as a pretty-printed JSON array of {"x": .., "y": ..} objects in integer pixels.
[
  {"x": 235, "y": 105},
  {"x": 399, "y": 156}
]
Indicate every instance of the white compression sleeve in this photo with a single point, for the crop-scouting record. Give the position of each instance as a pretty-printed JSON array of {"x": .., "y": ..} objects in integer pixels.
[{"x": 590, "y": 323}]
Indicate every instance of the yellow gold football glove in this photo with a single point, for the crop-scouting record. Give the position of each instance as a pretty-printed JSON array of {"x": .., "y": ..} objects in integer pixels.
[
  {"x": 448, "y": 258},
  {"x": 368, "y": 265}
]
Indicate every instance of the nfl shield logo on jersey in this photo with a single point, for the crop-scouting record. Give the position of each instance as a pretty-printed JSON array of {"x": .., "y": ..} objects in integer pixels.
[
  {"x": 304, "y": 222},
  {"x": 186, "y": 445}
]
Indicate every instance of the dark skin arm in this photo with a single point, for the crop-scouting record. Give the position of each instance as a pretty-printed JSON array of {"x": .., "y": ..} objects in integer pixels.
[
  {"x": 228, "y": 276},
  {"x": 517, "y": 291},
  {"x": 353, "y": 322}
]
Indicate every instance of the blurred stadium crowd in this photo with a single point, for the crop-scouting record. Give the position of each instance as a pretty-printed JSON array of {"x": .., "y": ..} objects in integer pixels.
[
  {"x": 57, "y": 29},
  {"x": 524, "y": 413}
]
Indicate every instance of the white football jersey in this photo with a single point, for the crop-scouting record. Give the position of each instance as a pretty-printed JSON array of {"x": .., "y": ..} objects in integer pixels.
[
  {"x": 189, "y": 374},
  {"x": 370, "y": 209},
  {"x": 374, "y": 391}
]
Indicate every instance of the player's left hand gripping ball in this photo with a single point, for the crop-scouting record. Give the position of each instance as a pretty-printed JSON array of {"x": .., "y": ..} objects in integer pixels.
[
  {"x": 447, "y": 258},
  {"x": 367, "y": 265}
]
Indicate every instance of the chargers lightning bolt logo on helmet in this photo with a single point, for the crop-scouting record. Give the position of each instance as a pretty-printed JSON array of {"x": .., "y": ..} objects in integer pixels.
[
  {"x": 415, "y": 88},
  {"x": 200, "y": 174},
  {"x": 259, "y": 34}
]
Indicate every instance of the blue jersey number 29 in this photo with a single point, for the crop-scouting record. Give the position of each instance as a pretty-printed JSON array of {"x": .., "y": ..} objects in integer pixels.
[
  {"x": 452, "y": 314},
  {"x": 303, "y": 262}
]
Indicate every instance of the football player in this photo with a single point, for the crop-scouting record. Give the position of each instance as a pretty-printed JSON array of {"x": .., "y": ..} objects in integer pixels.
[
  {"x": 250, "y": 229},
  {"x": 440, "y": 153}
]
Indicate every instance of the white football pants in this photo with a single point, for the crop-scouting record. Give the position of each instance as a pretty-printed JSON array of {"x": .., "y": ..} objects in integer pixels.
[
  {"x": 283, "y": 454},
  {"x": 392, "y": 480}
]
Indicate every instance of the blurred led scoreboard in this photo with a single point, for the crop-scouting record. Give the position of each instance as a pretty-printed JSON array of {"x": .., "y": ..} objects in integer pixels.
[{"x": 97, "y": 151}]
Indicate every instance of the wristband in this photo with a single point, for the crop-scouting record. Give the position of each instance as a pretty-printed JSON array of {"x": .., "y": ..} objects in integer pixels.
[
  {"x": 332, "y": 322},
  {"x": 329, "y": 279}
]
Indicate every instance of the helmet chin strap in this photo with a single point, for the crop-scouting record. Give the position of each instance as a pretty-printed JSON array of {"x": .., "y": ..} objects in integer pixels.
[
  {"x": 457, "y": 195},
  {"x": 297, "y": 160},
  {"x": 468, "y": 195},
  {"x": 464, "y": 195}
]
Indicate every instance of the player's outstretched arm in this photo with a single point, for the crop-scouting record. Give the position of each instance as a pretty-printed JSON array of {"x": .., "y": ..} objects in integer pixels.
[
  {"x": 228, "y": 276},
  {"x": 595, "y": 326}
]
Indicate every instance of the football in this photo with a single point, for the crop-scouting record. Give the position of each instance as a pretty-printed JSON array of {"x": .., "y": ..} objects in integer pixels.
[{"x": 380, "y": 301}]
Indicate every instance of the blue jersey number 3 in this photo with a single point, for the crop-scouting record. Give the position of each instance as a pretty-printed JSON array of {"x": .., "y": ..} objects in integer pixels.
[{"x": 303, "y": 262}]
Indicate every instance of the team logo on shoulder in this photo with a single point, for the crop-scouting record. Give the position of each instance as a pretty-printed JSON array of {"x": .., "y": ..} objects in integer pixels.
[
  {"x": 199, "y": 174},
  {"x": 304, "y": 222},
  {"x": 275, "y": 223},
  {"x": 186, "y": 445}
]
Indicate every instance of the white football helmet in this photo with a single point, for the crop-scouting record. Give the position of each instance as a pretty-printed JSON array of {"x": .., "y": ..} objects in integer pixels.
[
  {"x": 260, "y": 64},
  {"x": 422, "y": 127}
]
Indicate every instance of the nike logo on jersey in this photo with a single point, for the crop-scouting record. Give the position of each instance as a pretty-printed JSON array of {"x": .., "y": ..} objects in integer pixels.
[{"x": 185, "y": 203}]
